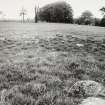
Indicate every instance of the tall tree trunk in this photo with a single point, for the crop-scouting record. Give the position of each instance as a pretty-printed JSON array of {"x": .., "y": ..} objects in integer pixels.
[
  {"x": 36, "y": 18},
  {"x": 23, "y": 18},
  {"x": 36, "y": 14}
]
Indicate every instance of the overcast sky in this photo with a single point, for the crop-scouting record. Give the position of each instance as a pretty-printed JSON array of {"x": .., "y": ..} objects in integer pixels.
[{"x": 11, "y": 8}]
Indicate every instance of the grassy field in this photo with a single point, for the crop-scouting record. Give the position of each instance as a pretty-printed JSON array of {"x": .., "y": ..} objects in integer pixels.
[{"x": 40, "y": 62}]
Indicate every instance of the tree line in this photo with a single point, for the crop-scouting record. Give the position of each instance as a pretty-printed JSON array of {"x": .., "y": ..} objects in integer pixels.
[
  {"x": 62, "y": 12},
  {"x": 87, "y": 18}
]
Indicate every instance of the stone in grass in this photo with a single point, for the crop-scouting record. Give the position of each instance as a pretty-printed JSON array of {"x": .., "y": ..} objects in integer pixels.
[
  {"x": 93, "y": 101},
  {"x": 86, "y": 88},
  {"x": 80, "y": 45}
]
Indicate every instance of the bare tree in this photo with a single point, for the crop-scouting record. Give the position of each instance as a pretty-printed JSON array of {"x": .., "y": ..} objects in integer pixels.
[
  {"x": 103, "y": 10},
  {"x": 23, "y": 13}
]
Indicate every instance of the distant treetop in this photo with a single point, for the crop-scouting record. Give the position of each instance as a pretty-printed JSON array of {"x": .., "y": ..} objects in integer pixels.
[{"x": 87, "y": 13}]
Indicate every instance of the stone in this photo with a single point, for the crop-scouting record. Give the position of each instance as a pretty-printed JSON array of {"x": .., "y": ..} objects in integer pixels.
[
  {"x": 87, "y": 88},
  {"x": 93, "y": 101}
]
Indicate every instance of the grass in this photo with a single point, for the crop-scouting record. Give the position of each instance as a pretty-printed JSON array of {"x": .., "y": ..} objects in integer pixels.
[{"x": 39, "y": 63}]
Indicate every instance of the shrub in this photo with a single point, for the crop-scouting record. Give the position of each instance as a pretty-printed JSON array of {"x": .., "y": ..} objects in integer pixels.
[
  {"x": 102, "y": 23},
  {"x": 97, "y": 22}
]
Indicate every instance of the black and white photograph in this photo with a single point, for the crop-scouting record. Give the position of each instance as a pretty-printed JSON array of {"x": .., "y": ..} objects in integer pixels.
[{"x": 52, "y": 52}]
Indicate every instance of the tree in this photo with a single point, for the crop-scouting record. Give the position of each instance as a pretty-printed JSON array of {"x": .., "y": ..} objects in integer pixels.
[
  {"x": 23, "y": 13},
  {"x": 57, "y": 12},
  {"x": 36, "y": 13},
  {"x": 102, "y": 23},
  {"x": 103, "y": 10},
  {"x": 87, "y": 14},
  {"x": 86, "y": 18}
]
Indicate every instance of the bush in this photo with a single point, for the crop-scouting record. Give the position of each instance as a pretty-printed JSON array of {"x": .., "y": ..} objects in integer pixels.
[
  {"x": 84, "y": 21},
  {"x": 102, "y": 22},
  {"x": 97, "y": 22}
]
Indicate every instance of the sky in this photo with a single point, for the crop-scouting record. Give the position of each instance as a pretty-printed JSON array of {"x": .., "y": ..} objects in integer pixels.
[{"x": 12, "y": 8}]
